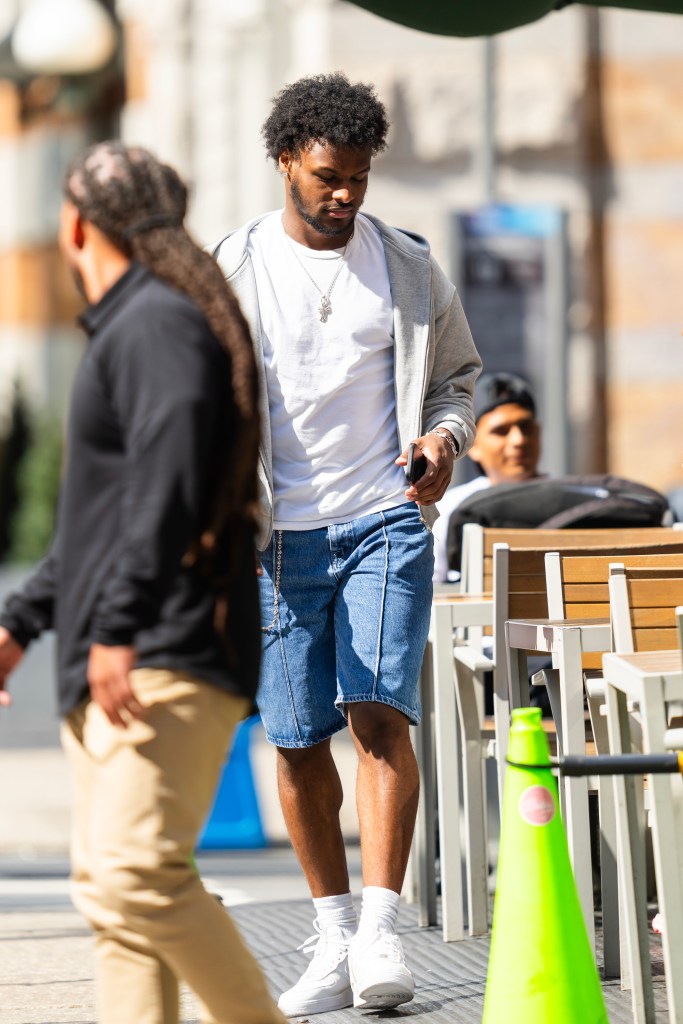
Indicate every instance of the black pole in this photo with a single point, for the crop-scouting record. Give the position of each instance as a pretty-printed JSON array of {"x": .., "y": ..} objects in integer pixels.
[
  {"x": 620, "y": 764},
  {"x": 612, "y": 764}
]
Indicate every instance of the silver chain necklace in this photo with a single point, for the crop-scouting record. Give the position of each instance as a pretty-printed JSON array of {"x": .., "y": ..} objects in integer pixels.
[{"x": 325, "y": 308}]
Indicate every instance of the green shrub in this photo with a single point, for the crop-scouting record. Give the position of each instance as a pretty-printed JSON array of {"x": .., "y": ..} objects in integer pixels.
[
  {"x": 38, "y": 480},
  {"x": 13, "y": 447}
]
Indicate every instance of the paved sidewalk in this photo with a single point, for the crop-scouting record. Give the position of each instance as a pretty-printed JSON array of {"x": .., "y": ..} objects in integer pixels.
[
  {"x": 46, "y": 962},
  {"x": 46, "y": 968}
]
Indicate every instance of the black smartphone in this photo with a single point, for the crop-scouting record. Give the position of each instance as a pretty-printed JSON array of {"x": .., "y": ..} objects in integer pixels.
[{"x": 417, "y": 464}]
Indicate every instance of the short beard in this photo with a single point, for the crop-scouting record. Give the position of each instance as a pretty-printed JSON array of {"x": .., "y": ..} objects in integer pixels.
[{"x": 323, "y": 229}]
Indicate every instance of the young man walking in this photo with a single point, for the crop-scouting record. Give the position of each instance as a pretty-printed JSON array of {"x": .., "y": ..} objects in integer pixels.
[
  {"x": 150, "y": 586},
  {"x": 363, "y": 348}
]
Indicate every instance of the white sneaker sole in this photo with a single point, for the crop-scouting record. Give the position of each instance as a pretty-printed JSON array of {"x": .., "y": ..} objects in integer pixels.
[
  {"x": 383, "y": 995},
  {"x": 323, "y": 1004}
]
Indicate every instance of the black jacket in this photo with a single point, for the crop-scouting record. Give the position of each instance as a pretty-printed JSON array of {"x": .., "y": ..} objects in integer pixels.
[{"x": 151, "y": 409}]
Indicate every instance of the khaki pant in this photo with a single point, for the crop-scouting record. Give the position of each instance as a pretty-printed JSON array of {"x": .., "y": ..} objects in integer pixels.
[{"x": 141, "y": 797}]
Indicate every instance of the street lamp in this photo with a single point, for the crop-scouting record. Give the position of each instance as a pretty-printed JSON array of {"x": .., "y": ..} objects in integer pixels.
[{"x": 64, "y": 37}]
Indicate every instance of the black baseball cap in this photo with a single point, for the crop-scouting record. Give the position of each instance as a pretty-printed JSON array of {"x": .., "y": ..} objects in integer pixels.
[{"x": 494, "y": 389}]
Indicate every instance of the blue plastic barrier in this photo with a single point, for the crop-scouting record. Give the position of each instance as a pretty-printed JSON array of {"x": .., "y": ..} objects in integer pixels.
[{"x": 235, "y": 821}]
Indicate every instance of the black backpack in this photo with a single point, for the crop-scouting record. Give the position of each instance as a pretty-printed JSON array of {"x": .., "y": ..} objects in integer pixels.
[{"x": 554, "y": 503}]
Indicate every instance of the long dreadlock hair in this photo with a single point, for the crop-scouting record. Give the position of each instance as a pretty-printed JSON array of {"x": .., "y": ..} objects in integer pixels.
[{"x": 139, "y": 204}]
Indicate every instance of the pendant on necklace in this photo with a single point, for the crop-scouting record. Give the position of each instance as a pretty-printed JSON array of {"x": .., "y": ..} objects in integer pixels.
[{"x": 325, "y": 309}]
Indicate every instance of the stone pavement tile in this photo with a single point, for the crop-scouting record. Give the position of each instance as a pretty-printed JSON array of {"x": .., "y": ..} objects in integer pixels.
[{"x": 45, "y": 969}]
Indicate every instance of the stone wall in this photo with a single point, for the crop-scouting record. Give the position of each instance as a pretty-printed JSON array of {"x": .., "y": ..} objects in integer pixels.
[
  {"x": 39, "y": 344},
  {"x": 643, "y": 97},
  {"x": 199, "y": 78}
]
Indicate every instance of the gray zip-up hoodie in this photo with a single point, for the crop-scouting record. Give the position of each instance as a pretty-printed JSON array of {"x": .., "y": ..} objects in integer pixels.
[{"x": 435, "y": 361}]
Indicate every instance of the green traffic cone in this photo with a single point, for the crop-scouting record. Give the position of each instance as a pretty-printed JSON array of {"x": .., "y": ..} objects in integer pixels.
[{"x": 541, "y": 967}]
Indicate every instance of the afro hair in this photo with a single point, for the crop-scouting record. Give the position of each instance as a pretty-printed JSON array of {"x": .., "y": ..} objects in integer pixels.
[{"x": 325, "y": 108}]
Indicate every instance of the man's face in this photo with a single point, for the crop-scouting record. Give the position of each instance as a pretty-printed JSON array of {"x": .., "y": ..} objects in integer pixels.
[
  {"x": 327, "y": 186},
  {"x": 508, "y": 444}
]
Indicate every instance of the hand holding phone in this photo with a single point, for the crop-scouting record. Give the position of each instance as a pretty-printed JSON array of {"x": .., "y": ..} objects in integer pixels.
[{"x": 416, "y": 465}]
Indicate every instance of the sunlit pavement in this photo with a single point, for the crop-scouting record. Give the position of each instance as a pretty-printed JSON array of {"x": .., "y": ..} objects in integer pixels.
[{"x": 46, "y": 967}]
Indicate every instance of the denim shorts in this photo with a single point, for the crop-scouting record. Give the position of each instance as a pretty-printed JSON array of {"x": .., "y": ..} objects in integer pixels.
[{"x": 347, "y": 622}]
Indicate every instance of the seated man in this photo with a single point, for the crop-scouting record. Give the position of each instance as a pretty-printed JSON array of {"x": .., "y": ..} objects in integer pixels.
[{"x": 506, "y": 450}]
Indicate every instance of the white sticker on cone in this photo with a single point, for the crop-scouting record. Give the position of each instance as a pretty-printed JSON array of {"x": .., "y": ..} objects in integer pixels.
[{"x": 537, "y": 805}]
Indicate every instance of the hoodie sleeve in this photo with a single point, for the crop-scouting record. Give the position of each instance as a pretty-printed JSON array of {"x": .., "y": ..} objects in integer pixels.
[{"x": 30, "y": 611}]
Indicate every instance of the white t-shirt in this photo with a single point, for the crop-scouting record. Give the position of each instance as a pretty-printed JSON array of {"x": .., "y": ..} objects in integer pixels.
[
  {"x": 453, "y": 497},
  {"x": 330, "y": 385}
]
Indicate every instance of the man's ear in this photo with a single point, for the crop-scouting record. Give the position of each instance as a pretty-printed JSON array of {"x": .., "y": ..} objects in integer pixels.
[
  {"x": 72, "y": 226},
  {"x": 79, "y": 232},
  {"x": 284, "y": 163}
]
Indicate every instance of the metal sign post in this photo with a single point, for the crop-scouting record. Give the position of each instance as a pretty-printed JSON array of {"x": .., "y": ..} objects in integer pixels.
[{"x": 510, "y": 266}]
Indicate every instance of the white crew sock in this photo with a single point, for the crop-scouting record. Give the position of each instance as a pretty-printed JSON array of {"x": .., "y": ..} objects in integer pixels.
[
  {"x": 378, "y": 911},
  {"x": 336, "y": 911}
]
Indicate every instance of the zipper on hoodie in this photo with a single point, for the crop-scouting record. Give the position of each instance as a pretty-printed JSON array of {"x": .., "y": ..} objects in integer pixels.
[{"x": 424, "y": 383}]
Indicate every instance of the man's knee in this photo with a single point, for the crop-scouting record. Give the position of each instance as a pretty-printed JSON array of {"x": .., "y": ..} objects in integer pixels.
[
  {"x": 377, "y": 728},
  {"x": 294, "y": 759}
]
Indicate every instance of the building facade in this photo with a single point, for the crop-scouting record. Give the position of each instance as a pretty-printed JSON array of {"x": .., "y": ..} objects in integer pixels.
[{"x": 585, "y": 121}]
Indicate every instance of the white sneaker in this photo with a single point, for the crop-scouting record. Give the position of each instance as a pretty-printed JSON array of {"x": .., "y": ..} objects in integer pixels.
[
  {"x": 325, "y": 984},
  {"x": 378, "y": 972}
]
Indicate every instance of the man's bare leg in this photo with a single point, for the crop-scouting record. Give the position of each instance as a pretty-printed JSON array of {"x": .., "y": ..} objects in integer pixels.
[
  {"x": 387, "y": 791},
  {"x": 387, "y": 794},
  {"x": 311, "y": 798}
]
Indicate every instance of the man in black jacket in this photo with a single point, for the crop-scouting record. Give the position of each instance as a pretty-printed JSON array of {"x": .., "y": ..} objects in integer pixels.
[{"x": 157, "y": 661}]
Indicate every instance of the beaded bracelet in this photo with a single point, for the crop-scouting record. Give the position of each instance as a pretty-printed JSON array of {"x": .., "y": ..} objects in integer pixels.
[{"x": 448, "y": 439}]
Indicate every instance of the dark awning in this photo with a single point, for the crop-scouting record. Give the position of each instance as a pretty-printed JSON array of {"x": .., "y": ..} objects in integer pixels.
[{"x": 487, "y": 17}]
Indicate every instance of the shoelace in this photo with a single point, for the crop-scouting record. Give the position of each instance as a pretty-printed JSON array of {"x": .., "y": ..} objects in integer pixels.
[
  {"x": 319, "y": 944},
  {"x": 387, "y": 946}
]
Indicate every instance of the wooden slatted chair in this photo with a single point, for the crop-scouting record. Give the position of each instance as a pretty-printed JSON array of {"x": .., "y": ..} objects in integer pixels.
[
  {"x": 646, "y": 674},
  {"x": 578, "y": 591},
  {"x": 471, "y": 613},
  {"x": 478, "y": 543},
  {"x": 574, "y": 633},
  {"x": 468, "y": 614}
]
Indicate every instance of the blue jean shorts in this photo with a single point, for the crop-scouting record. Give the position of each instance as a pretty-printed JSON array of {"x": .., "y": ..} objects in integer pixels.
[{"x": 346, "y": 622}]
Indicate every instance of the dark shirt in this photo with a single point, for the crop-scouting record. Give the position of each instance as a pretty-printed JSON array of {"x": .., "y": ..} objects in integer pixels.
[{"x": 151, "y": 409}]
